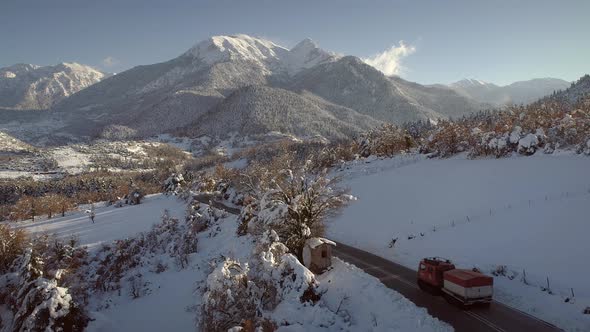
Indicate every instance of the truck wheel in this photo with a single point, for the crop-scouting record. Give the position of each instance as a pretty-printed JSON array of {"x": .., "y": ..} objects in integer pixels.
[
  {"x": 448, "y": 298},
  {"x": 421, "y": 285}
]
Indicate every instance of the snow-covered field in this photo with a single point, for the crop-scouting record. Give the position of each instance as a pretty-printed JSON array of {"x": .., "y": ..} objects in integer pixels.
[
  {"x": 527, "y": 213},
  {"x": 70, "y": 160},
  {"x": 111, "y": 223},
  {"x": 360, "y": 301}
]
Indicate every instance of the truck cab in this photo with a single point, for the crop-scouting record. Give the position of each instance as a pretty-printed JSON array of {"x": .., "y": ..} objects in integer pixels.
[{"x": 430, "y": 272}]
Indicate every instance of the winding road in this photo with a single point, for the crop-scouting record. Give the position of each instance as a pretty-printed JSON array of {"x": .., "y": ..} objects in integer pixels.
[{"x": 497, "y": 318}]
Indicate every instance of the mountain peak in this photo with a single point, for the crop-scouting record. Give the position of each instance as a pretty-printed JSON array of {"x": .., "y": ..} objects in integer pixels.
[
  {"x": 471, "y": 82},
  {"x": 306, "y": 54},
  {"x": 224, "y": 48},
  {"x": 272, "y": 57},
  {"x": 306, "y": 44}
]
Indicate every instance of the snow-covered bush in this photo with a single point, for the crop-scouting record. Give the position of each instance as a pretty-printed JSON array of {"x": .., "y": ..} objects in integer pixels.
[
  {"x": 584, "y": 148},
  {"x": 247, "y": 293},
  {"x": 37, "y": 302},
  {"x": 230, "y": 298},
  {"x": 170, "y": 237},
  {"x": 12, "y": 245},
  {"x": 490, "y": 143},
  {"x": 528, "y": 145},
  {"x": 386, "y": 140},
  {"x": 173, "y": 183},
  {"x": 448, "y": 139}
]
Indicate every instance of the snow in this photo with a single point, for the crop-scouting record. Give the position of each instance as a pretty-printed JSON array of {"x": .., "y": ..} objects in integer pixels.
[
  {"x": 165, "y": 309},
  {"x": 527, "y": 213},
  {"x": 240, "y": 163},
  {"x": 314, "y": 242},
  {"x": 70, "y": 160},
  {"x": 225, "y": 48},
  {"x": 373, "y": 306},
  {"x": 515, "y": 135},
  {"x": 269, "y": 55},
  {"x": 111, "y": 223},
  {"x": 174, "y": 296},
  {"x": 527, "y": 142},
  {"x": 19, "y": 174}
]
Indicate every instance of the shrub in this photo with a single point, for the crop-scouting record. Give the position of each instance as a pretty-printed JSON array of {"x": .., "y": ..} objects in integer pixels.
[
  {"x": 12, "y": 245},
  {"x": 39, "y": 304}
]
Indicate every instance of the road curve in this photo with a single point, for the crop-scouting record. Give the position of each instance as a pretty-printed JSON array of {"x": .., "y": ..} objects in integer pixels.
[{"x": 497, "y": 318}]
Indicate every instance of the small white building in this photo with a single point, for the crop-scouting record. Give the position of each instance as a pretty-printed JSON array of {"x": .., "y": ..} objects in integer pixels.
[{"x": 317, "y": 254}]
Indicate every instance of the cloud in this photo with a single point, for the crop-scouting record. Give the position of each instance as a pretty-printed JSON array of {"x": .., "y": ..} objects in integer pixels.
[
  {"x": 389, "y": 61},
  {"x": 110, "y": 61}
]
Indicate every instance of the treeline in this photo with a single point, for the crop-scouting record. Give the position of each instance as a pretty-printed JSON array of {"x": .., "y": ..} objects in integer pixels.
[
  {"x": 545, "y": 126},
  {"x": 26, "y": 198}
]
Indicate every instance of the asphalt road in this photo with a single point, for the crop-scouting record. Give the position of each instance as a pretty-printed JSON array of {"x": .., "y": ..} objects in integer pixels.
[{"x": 496, "y": 318}]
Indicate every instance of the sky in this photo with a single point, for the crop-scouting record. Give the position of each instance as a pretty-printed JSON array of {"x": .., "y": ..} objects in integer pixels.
[{"x": 423, "y": 41}]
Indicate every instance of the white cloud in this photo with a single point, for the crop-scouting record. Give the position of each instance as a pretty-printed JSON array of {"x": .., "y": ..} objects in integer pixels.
[
  {"x": 389, "y": 61},
  {"x": 110, "y": 61}
]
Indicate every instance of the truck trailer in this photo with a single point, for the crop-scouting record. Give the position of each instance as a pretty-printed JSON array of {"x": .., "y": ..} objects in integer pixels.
[{"x": 458, "y": 286}]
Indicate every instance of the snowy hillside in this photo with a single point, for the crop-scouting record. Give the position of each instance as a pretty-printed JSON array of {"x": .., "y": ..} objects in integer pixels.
[
  {"x": 171, "y": 297},
  {"x": 32, "y": 87},
  {"x": 110, "y": 223},
  {"x": 575, "y": 92},
  {"x": 524, "y": 213},
  {"x": 352, "y": 83},
  {"x": 522, "y": 92},
  {"x": 258, "y": 110},
  {"x": 9, "y": 144}
]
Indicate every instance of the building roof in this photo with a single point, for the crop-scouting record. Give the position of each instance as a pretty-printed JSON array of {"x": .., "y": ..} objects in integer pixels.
[{"x": 315, "y": 242}]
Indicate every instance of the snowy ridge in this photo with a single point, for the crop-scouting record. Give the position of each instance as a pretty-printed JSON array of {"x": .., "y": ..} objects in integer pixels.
[
  {"x": 226, "y": 48},
  {"x": 26, "y": 86},
  {"x": 270, "y": 56},
  {"x": 467, "y": 82}
]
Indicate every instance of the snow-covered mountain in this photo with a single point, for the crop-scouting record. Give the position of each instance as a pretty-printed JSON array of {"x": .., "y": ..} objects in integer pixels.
[
  {"x": 32, "y": 87},
  {"x": 352, "y": 83},
  {"x": 522, "y": 92},
  {"x": 166, "y": 96},
  {"x": 257, "y": 110},
  {"x": 576, "y": 91}
]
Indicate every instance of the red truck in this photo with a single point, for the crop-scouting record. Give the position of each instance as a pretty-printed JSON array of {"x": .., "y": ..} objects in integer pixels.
[{"x": 463, "y": 287}]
